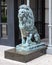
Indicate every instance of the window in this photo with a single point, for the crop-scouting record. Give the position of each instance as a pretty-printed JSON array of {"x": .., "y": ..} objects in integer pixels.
[{"x": 4, "y": 27}]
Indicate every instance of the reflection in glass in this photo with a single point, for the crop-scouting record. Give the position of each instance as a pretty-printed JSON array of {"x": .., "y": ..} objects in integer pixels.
[{"x": 4, "y": 27}]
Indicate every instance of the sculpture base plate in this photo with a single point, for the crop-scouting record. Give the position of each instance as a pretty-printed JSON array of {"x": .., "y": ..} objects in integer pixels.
[
  {"x": 13, "y": 55},
  {"x": 25, "y": 49}
]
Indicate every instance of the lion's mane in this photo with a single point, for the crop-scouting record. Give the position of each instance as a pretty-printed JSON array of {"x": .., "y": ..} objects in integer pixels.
[{"x": 26, "y": 18}]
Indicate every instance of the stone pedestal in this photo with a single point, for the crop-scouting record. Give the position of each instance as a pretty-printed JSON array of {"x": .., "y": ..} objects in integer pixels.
[{"x": 13, "y": 55}]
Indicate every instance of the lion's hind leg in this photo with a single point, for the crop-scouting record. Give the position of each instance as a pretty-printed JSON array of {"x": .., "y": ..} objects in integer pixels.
[{"x": 37, "y": 38}]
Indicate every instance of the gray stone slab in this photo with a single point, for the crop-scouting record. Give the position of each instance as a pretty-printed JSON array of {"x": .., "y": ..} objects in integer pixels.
[{"x": 13, "y": 55}]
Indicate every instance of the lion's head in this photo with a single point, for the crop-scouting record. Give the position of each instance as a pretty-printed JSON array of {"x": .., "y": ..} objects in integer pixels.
[{"x": 26, "y": 18}]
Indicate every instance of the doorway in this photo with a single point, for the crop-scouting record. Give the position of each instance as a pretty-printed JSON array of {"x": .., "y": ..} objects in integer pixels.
[{"x": 38, "y": 7}]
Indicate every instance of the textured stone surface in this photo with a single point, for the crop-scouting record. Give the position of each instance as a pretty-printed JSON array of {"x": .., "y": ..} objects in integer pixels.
[{"x": 12, "y": 54}]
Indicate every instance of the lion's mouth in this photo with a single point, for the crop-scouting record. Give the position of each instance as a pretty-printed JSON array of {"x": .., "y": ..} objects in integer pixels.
[{"x": 21, "y": 17}]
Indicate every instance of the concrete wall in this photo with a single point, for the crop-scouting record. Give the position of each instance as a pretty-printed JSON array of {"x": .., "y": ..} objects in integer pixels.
[
  {"x": 0, "y": 18},
  {"x": 46, "y": 11},
  {"x": 46, "y": 18}
]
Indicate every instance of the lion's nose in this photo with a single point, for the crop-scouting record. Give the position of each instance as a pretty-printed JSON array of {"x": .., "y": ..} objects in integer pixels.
[{"x": 21, "y": 14}]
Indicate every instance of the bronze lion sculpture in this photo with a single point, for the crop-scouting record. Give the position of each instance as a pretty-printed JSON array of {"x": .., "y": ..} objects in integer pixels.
[{"x": 28, "y": 30}]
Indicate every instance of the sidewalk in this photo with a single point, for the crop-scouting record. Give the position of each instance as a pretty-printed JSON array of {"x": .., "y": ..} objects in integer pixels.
[
  {"x": 2, "y": 49},
  {"x": 42, "y": 60}
]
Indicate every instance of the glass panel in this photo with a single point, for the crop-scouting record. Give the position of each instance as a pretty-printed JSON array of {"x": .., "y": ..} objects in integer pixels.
[
  {"x": 3, "y": 11},
  {"x": 4, "y": 27},
  {"x": 38, "y": 7}
]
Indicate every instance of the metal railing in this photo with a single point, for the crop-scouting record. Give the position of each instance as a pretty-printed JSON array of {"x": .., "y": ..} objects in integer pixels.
[{"x": 4, "y": 30}]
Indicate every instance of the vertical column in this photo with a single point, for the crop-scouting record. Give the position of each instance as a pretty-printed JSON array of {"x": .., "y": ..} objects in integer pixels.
[
  {"x": 10, "y": 21},
  {"x": 50, "y": 23},
  {"x": 28, "y": 2},
  {"x": 49, "y": 50}
]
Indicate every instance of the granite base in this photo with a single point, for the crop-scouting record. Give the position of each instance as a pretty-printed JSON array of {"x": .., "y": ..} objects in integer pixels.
[{"x": 13, "y": 55}]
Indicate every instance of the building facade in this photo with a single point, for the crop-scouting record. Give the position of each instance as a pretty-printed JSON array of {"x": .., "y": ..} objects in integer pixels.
[{"x": 9, "y": 30}]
